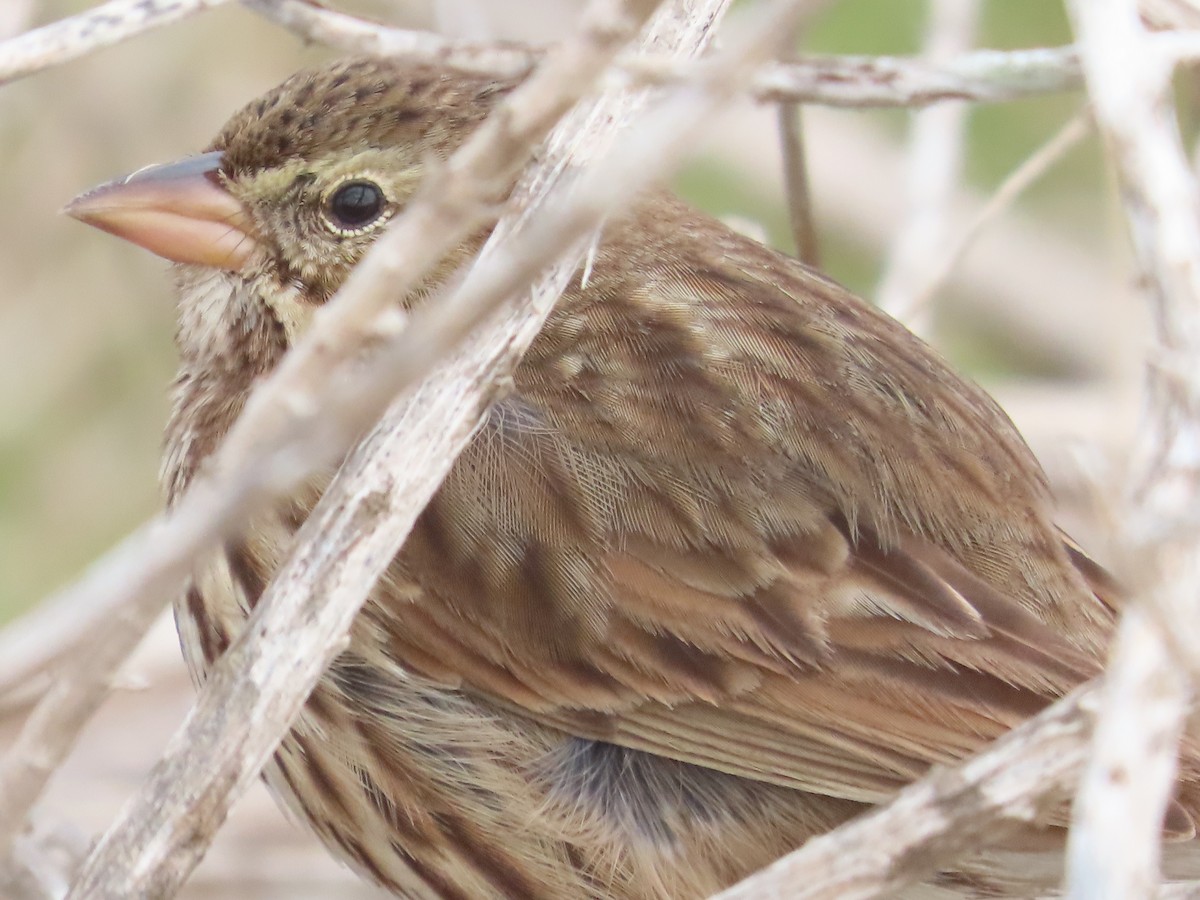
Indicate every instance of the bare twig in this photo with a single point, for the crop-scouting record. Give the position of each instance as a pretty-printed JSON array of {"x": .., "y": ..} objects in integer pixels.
[
  {"x": 269, "y": 670},
  {"x": 1171, "y": 13},
  {"x": 1131, "y": 769},
  {"x": 863, "y": 82},
  {"x": 854, "y": 81},
  {"x": 42, "y": 861},
  {"x": 934, "y": 172},
  {"x": 54, "y": 725},
  {"x": 790, "y": 121},
  {"x": 356, "y": 35},
  {"x": 1114, "y": 849},
  {"x": 987, "y": 76},
  {"x": 1019, "y": 180},
  {"x": 108, "y": 24},
  {"x": 14, "y": 17}
]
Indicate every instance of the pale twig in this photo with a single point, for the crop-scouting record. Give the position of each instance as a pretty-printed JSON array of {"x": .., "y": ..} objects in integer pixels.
[
  {"x": 935, "y": 820},
  {"x": 1018, "y": 181},
  {"x": 986, "y": 76},
  {"x": 790, "y": 122},
  {"x": 366, "y": 514},
  {"x": 1170, "y": 13},
  {"x": 353, "y": 34},
  {"x": 42, "y": 861},
  {"x": 14, "y": 17},
  {"x": 1130, "y": 772},
  {"x": 854, "y": 81},
  {"x": 1115, "y": 840},
  {"x": 865, "y": 82},
  {"x": 790, "y": 118},
  {"x": 934, "y": 169},
  {"x": 295, "y": 422},
  {"x": 108, "y": 24},
  {"x": 53, "y": 727}
]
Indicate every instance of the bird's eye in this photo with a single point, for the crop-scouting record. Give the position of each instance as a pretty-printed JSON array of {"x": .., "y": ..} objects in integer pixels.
[{"x": 356, "y": 205}]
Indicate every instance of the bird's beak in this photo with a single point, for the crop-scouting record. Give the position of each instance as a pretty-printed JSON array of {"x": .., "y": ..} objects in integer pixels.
[{"x": 178, "y": 210}]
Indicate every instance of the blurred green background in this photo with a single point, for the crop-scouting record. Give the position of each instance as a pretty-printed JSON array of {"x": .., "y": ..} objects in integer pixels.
[{"x": 86, "y": 320}]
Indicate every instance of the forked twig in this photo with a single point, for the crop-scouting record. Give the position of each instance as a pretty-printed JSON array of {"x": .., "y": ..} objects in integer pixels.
[{"x": 1115, "y": 840}]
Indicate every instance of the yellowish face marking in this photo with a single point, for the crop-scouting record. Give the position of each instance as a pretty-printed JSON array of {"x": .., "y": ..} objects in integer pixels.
[{"x": 291, "y": 311}]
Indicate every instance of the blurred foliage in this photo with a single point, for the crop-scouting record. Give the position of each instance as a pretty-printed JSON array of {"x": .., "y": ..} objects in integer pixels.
[{"x": 86, "y": 321}]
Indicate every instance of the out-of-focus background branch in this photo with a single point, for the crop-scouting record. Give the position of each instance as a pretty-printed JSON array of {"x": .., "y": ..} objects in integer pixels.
[{"x": 1036, "y": 309}]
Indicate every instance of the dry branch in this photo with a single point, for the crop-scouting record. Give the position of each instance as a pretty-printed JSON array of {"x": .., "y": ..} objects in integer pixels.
[
  {"x": 1006, "y": 194},
  {"x": 797, "y": 190},
  {"x": 1114, "y": 850},
  {"x": 935, "y": 154},
  {"x": 796, "y": 185},
  {"x": 1115, "y": 838},
  {"x": 850, "y": 81},
  {"x": 986, "y": 76},
  {"x": 76, "y": 36}
]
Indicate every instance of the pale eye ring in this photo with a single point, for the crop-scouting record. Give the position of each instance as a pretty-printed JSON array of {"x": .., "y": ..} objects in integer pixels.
[{"x": 355, "y": 205}]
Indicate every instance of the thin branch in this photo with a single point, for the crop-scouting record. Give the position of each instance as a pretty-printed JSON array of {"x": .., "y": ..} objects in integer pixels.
[
  {"x": 934, "y": 170},
  {"x": 1114, "y": 849},
  {"x": 42, "y": 862},
  {"x": 865, "y": 82},
  {"x": 850, "y": 81},
  {"x": 1131, "y": 769},
  {"x": 15, "y": 17},
  {"x": 1002, "y": 199},
  {"x": 367, "y": 513},
  {"x": 986, "y": 76},
  {"x": 790, "y": 122},
  {"x": 790, "y": 119},
  {"x": 54, "y": 726},
  {"x": 1170, "y": 13},
  {"x": 76, "y": 36},
  {"x": 353, "y": 34}
]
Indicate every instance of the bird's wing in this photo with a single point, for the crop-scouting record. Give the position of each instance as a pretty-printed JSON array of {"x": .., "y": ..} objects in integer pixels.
[
  {"x": 847, "y": 680},
  {"x": 684, "y": 533}
]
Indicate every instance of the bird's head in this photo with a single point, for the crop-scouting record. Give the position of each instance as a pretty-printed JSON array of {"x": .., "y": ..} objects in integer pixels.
[{"x": 295, "y": 188}]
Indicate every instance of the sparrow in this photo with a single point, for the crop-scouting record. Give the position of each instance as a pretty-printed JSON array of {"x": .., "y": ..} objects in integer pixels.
[{"x": 737, "y": 558}]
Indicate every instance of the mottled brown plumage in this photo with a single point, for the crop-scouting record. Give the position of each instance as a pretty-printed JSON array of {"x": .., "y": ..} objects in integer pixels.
[{"x": 738, "y": 555}]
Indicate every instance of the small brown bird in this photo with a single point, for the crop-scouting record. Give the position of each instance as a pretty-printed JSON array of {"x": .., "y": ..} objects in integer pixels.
[{"x": 737, "y": 558}]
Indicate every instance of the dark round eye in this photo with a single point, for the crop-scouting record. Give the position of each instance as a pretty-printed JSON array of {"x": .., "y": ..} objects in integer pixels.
[{"x": 356, "y": 204}]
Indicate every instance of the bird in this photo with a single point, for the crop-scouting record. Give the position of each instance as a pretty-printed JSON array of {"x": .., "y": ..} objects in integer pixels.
[{"x": 733, "y": 559}]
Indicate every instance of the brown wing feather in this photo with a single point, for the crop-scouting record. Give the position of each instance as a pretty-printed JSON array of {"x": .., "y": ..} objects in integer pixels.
[{"x": 683, "y": 533}]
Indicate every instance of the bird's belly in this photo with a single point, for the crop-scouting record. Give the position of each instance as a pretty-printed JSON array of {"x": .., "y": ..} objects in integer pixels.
[{"x": 432, "y": 792}]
